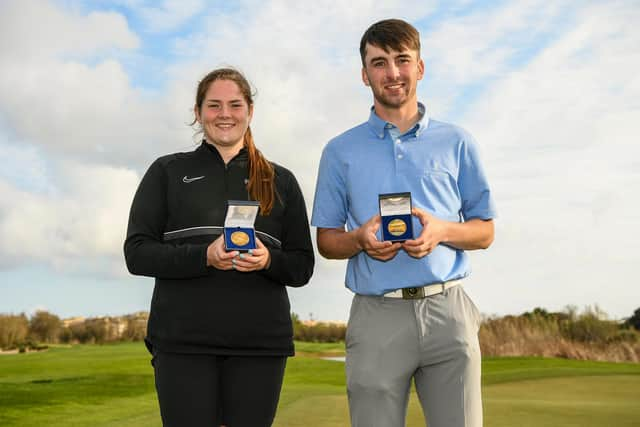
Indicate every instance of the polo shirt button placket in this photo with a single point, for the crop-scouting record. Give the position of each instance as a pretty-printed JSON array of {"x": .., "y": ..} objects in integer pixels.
[{"x": 398, "y": 141}]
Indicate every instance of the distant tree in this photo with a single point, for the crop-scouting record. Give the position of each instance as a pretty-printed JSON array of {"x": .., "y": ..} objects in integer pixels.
[
  {"x": 135, "y": 329},
  {"x": 571, "y": 312},
  {"x": 45, "y": 327},
  {"x": 317, "y": 331},
  {"x": 634, "y": 321},
  {"x": 96, "y": 330},
  {"x": 298, "y": 328},
  {"x": 537, "y": 312},
  {"x": 66, "y": 335},
  {"x": 114, "y": 328},
  {"x": 79, "y": 332},
  {"x": 13, "y": 330}
]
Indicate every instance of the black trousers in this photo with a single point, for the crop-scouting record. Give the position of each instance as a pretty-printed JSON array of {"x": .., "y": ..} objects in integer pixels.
[{"x": 201, "y": 390}]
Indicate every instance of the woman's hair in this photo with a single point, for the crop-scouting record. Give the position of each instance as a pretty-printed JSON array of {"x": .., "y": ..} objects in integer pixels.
[{"x": 261, "y": 184}]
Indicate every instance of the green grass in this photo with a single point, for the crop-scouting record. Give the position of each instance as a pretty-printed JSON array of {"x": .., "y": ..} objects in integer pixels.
[
  {"x": 112, "y": 385},
  {"x": 77, "y": 386},
  {"x": 320, "y": 349}
]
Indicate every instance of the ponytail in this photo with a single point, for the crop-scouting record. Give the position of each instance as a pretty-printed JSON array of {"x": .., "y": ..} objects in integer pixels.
[{"x": 261, "y": 185}]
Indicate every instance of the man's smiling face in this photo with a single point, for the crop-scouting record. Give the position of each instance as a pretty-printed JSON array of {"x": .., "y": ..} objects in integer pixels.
[{"x": 393, "y": 76}]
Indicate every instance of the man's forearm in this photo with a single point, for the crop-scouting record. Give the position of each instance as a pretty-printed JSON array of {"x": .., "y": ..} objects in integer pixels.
[
  {"x": 335, "y": 243},
  {"x": 473, "y": 234}
]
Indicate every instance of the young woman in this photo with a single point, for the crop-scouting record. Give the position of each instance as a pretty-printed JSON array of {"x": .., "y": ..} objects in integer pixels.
[{"x": 220, "y": 327}]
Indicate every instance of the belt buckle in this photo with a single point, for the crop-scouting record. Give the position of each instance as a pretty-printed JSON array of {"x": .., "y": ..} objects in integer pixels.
[{"x": 412, "y": 293}]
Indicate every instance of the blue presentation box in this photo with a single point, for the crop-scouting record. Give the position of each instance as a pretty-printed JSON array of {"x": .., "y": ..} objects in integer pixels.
[
  {"x": 239, "y": 228},
  {"x": 395, "y": 213}
]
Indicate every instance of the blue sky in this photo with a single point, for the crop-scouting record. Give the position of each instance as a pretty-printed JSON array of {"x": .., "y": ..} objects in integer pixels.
[{"x": 91, "y": 92}]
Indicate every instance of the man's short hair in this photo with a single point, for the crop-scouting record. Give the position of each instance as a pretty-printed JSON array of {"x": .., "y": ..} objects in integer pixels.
[{"x": 390, "y": 34}]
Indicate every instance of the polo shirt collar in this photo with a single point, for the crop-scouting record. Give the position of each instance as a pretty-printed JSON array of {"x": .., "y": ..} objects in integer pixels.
[{"x": 378, "y": 126}]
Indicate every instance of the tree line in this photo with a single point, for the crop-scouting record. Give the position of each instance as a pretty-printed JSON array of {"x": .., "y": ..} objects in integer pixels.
[
  {"x": 570, "y": 334},
  {"x": 317, "y": 331},
  {"x": 42, "y": 328}
]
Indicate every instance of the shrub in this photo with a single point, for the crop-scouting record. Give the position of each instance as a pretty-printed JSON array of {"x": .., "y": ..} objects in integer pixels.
[
  {"x": 317, "y": 331},
  {"x": 14, "y": 330},
  {"x": 634, "y": 320},
  {"x": 570, "y": 334}
]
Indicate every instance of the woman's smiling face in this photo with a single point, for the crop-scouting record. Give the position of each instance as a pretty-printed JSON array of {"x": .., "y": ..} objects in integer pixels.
[{"x": 224, "y": 114}]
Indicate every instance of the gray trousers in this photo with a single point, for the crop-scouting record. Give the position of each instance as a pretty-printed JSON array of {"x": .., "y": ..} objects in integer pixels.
[{"x": 433, "y": 340}]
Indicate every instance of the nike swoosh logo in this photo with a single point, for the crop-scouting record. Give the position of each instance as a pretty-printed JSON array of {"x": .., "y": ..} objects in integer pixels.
[{"x": 187, "y": 180}]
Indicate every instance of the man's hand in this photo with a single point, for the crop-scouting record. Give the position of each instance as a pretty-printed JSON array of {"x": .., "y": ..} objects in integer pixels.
[
  {"x": 433, "y": 232},
  {"x": 368, "y": 242},
  {"x": 218, "y": 257}
]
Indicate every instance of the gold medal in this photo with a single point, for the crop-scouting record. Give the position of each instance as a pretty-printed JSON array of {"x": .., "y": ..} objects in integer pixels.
[
  {"x": 239, "y": 238},
  {"x": 397, "y": 227}
]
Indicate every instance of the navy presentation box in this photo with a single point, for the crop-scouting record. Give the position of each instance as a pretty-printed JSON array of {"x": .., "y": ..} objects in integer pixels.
[
  {"x": 395, "y": 212},
  {"x": 239, "y": 225}
]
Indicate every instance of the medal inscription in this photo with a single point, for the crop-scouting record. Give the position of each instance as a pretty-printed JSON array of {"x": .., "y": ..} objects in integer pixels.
[
  {"x": 397, "y": 227},
  {"x": 239, "y": 238}
]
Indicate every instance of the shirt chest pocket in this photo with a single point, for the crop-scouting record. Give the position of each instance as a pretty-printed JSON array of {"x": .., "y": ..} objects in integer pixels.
[{"x": 440, "y": 194}]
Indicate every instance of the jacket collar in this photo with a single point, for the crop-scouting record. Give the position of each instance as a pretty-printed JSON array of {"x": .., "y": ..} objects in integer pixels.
[{"x": 243, "y": 154}]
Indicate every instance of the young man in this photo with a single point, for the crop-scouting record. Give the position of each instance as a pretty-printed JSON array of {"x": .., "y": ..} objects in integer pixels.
[{"x": 410, "y": 317}]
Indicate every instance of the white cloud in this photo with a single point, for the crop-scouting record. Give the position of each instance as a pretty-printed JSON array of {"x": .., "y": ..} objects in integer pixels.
[
  {"x": 36, "y": 29},
  {"x": 87, "y": 112},
  {"x": 25, "y": 166},
  {"x": 79, "y": 228},
  {"x": 557, "y": 138},
  {"x": 472, "y": 48},
  {"x": 65, "y": 94}
]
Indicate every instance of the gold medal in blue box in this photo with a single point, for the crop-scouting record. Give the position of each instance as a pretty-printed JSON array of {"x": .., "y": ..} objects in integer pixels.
[
  {"x": 395, "y": 214},
  {"x": 239, "y": 225}
]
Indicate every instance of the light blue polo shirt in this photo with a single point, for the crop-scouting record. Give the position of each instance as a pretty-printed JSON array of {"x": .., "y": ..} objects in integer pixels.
[{"x": 436, "y": 161}]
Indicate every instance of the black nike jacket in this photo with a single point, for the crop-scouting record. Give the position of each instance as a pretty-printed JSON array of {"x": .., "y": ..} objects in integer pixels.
[{"x": 177, "y": 211}]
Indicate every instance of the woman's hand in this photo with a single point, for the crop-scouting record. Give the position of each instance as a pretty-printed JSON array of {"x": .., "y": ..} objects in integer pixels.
[
  {"x": 254, "y": 260},
  {"x": 218, "y": 257}
]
